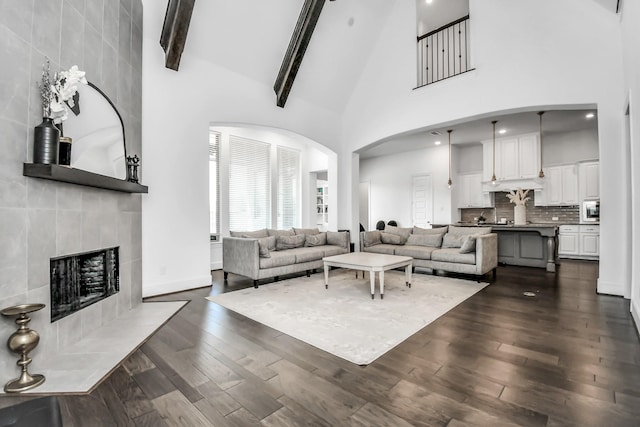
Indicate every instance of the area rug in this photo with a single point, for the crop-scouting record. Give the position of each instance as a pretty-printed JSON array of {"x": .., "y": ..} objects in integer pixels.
[{"x": 344, "y": 320}]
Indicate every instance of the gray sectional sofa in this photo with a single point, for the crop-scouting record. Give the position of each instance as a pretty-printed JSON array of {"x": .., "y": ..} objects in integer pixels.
[
  {"x": 467, "y": 250},
  {"x": 270, "y": 253}
]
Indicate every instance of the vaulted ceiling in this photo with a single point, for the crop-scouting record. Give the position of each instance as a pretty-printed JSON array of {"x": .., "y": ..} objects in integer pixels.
[{"x": 260, "y": 32}]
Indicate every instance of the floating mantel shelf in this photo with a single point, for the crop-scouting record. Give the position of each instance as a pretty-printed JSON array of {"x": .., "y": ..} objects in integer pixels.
[{"x": 81, "y": 177}]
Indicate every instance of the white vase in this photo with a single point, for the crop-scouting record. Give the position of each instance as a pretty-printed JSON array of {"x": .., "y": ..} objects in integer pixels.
[{"x": 519, "y": 215}]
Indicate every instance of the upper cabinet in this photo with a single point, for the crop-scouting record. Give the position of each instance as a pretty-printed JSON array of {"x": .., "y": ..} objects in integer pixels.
[
  {"x": 515, "y": 158},
  {"x": 589, "y": 180},
  {"x": 470, "y": 194},
  {"x": 560, "y": 186}
]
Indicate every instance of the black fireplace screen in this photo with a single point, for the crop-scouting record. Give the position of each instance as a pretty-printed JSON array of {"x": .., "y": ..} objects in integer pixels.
[{"x": 80, "y": 280}]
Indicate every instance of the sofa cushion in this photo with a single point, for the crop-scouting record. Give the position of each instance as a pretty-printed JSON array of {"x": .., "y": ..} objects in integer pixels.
[
  {"x": 399, "y": 231},
  {"x": 274, "y": 232},
  {"x": 307, "y": 231},
  {"x": 431, "y": 240},
  {"x": 266, "y": 245},
  {"x": 382, "y": 248},
  {"x": 469, "y": 245},
  {"x": 289, "y": 242},
  {"x": 453, "y": 240},
  {"x": 338, "y": 238},
  {"x": 465, "y": 231},
  {"x": 250, "y": 234},
  {"x": 307, "y": 254},
  {"x": 391, "y": 239},
  {"x": 278, "y": 259},
  {"x": 370, "y": 238},
  {"x": 319, "y": 239},
  {"x": 439, "y": 230},
  {"x": 416, "y": 252},
  {"x": 453, "y": 255}
]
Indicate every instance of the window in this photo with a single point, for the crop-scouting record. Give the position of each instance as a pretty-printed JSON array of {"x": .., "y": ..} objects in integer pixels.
[
  {"x": 214, "y": 185},
  {"x": 288, "y": 188},
  {"x": 249, "y": 184}
]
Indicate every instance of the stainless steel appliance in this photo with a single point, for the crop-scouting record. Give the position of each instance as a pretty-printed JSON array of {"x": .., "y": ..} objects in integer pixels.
[{"x": 591, "y": 211}]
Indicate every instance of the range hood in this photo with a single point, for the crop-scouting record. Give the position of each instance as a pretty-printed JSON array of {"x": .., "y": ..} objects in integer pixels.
[{"x": 514, "y": 184}]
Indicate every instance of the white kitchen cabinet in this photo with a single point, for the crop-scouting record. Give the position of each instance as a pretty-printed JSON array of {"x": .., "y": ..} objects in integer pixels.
[
  {"x": 470, "y": 193},
  {"x": 590, "y": 240},
  {"x": 589, "y": 173},
  {"x": 579, "y": 241},
  {"x": 516, "y": 158},
  {"x": 560, "y": 186},
  {"x": 569, "y": 241}
]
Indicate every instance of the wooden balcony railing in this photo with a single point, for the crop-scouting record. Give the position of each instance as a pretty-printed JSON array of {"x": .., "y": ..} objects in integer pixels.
[{"x": 444, "y": 52}]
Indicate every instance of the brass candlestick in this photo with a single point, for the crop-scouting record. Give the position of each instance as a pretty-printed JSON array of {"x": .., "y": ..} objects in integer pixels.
[{"x": 22, "y": 342}]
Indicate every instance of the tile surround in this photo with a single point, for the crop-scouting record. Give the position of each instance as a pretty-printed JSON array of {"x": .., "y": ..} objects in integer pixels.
[{"x": 42, "y": 219}]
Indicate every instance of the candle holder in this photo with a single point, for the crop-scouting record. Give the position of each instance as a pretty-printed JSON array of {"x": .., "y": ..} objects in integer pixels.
[
  {"x": 21, "y": 342},
  {"x": 133, "y": 162}
]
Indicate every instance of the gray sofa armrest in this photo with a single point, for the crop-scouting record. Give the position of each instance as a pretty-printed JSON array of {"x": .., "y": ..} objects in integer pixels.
[
  {"x": 486, "y": 252},
  {"x": 241, "y": 256}
]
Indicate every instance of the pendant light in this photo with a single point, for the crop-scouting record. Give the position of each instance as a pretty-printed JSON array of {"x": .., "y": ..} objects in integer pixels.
[
  {"x": 493, "y": 177},
  {"x": 450, "y": 183},
  {"x": 541, "y": 173}
]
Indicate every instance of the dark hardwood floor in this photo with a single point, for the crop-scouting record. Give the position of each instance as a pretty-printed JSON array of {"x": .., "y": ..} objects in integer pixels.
[{"x": 566, "y": 357}]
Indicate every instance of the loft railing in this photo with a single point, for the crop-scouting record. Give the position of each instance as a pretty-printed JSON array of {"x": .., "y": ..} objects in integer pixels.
[{"x": 444, "y": 52}]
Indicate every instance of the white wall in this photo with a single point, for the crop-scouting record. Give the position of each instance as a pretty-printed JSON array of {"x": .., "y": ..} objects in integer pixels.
[
  {"x": 390, "y": 180},
  {"x": 630, "y": 37},
  {"x": 551, "y": 48},
  {"x": 469, "y": 159},
  {"x": 570, "y": 147},
  {"x": 177, "y": 109}
]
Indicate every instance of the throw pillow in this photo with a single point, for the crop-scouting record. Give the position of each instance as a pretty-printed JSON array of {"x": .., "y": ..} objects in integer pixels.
[
  {"x": 399, "y": 231},
  {"x": 371, "y": 238},
  {"x": 430, "y": 240},
  {"x": 338, "y": 238},
  {"x": 263, "y": 248},
  {"x": 391, "y": 239},
  {"x": 319, "y": 239},
  {"x": 439, "y": 230},
  {"x": 469, "y": 245},
  {"x": 453, "y": 240},
  {"x": 270, "y": 242},
  {"x": 289, "y": 242},
  {"x": 307, "y": 231},
  {"x": 274, "y": 232}
]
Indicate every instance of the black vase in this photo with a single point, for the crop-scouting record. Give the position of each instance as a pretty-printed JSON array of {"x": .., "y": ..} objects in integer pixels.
[{"x": 45, "y": 142}]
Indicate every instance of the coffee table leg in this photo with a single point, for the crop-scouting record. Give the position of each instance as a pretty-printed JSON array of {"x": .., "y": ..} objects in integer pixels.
[
  {"x": 381, "y": 284},
  {"x": 407, "y": 273},
  {"x": 326, "y": 276},
  {"x": 372, "y": 279}
]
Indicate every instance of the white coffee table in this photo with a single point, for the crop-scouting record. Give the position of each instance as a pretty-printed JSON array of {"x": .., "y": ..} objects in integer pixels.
[{"x": 371, "y": 262}]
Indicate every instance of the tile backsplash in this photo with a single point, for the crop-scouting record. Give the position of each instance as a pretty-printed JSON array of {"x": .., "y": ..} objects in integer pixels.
[{"x": 535, "y": 214}]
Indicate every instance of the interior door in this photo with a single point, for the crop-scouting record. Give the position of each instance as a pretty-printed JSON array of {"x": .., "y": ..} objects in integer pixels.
[{"x": 422, "y": 203}]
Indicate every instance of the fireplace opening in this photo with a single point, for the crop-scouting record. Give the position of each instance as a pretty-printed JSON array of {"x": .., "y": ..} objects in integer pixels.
[{"x": 80, "y": 280}]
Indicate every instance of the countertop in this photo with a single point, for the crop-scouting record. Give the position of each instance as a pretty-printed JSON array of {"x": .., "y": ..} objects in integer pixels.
[{"x": 545, "y": 229}]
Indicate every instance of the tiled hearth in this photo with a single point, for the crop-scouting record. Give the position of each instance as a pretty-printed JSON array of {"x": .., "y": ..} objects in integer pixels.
[{"x": 80, "y": 366}]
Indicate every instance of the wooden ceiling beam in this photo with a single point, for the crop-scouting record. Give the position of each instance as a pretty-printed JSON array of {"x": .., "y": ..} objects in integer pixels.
[
  {"x": 174, "y": 31},
  {"x": 297, "y": 47}
]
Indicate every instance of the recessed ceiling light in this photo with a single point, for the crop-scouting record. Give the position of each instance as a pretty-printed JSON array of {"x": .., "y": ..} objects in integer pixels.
[
  {"x": 502, "y": 131},
  {"x": 429, "y": 1},
  {"x": 437, "y": 142},
  {"x": 590, "y": 115}
]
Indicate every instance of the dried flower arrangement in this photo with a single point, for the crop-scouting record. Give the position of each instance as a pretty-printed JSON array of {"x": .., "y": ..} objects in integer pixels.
[
  {"x": 519, "y": 197},
  {"x": 58, "y": 94}
]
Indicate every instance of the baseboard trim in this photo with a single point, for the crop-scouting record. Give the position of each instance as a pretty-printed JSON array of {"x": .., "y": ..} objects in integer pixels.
[
  {"x": 216, "y": 265},
  {"x": 635, "y": 315},
  {"x": 177, "y": 286},
  {"x": 609, "y": 288}
]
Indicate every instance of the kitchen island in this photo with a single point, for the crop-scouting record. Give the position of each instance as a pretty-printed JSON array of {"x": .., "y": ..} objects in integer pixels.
[{"x": 530, "y": 245}]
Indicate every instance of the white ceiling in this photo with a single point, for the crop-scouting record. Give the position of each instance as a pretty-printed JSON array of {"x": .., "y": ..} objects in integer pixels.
[
  {"x": 250, "y": 37},
  {"x": 475, "y": 131}
]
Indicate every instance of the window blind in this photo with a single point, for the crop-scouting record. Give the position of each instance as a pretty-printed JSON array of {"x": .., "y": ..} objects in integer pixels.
[
  {"x": 249, "y": 184},
  {"x": 214, "y": 184},
  {"x": 288, "y": 188}
]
